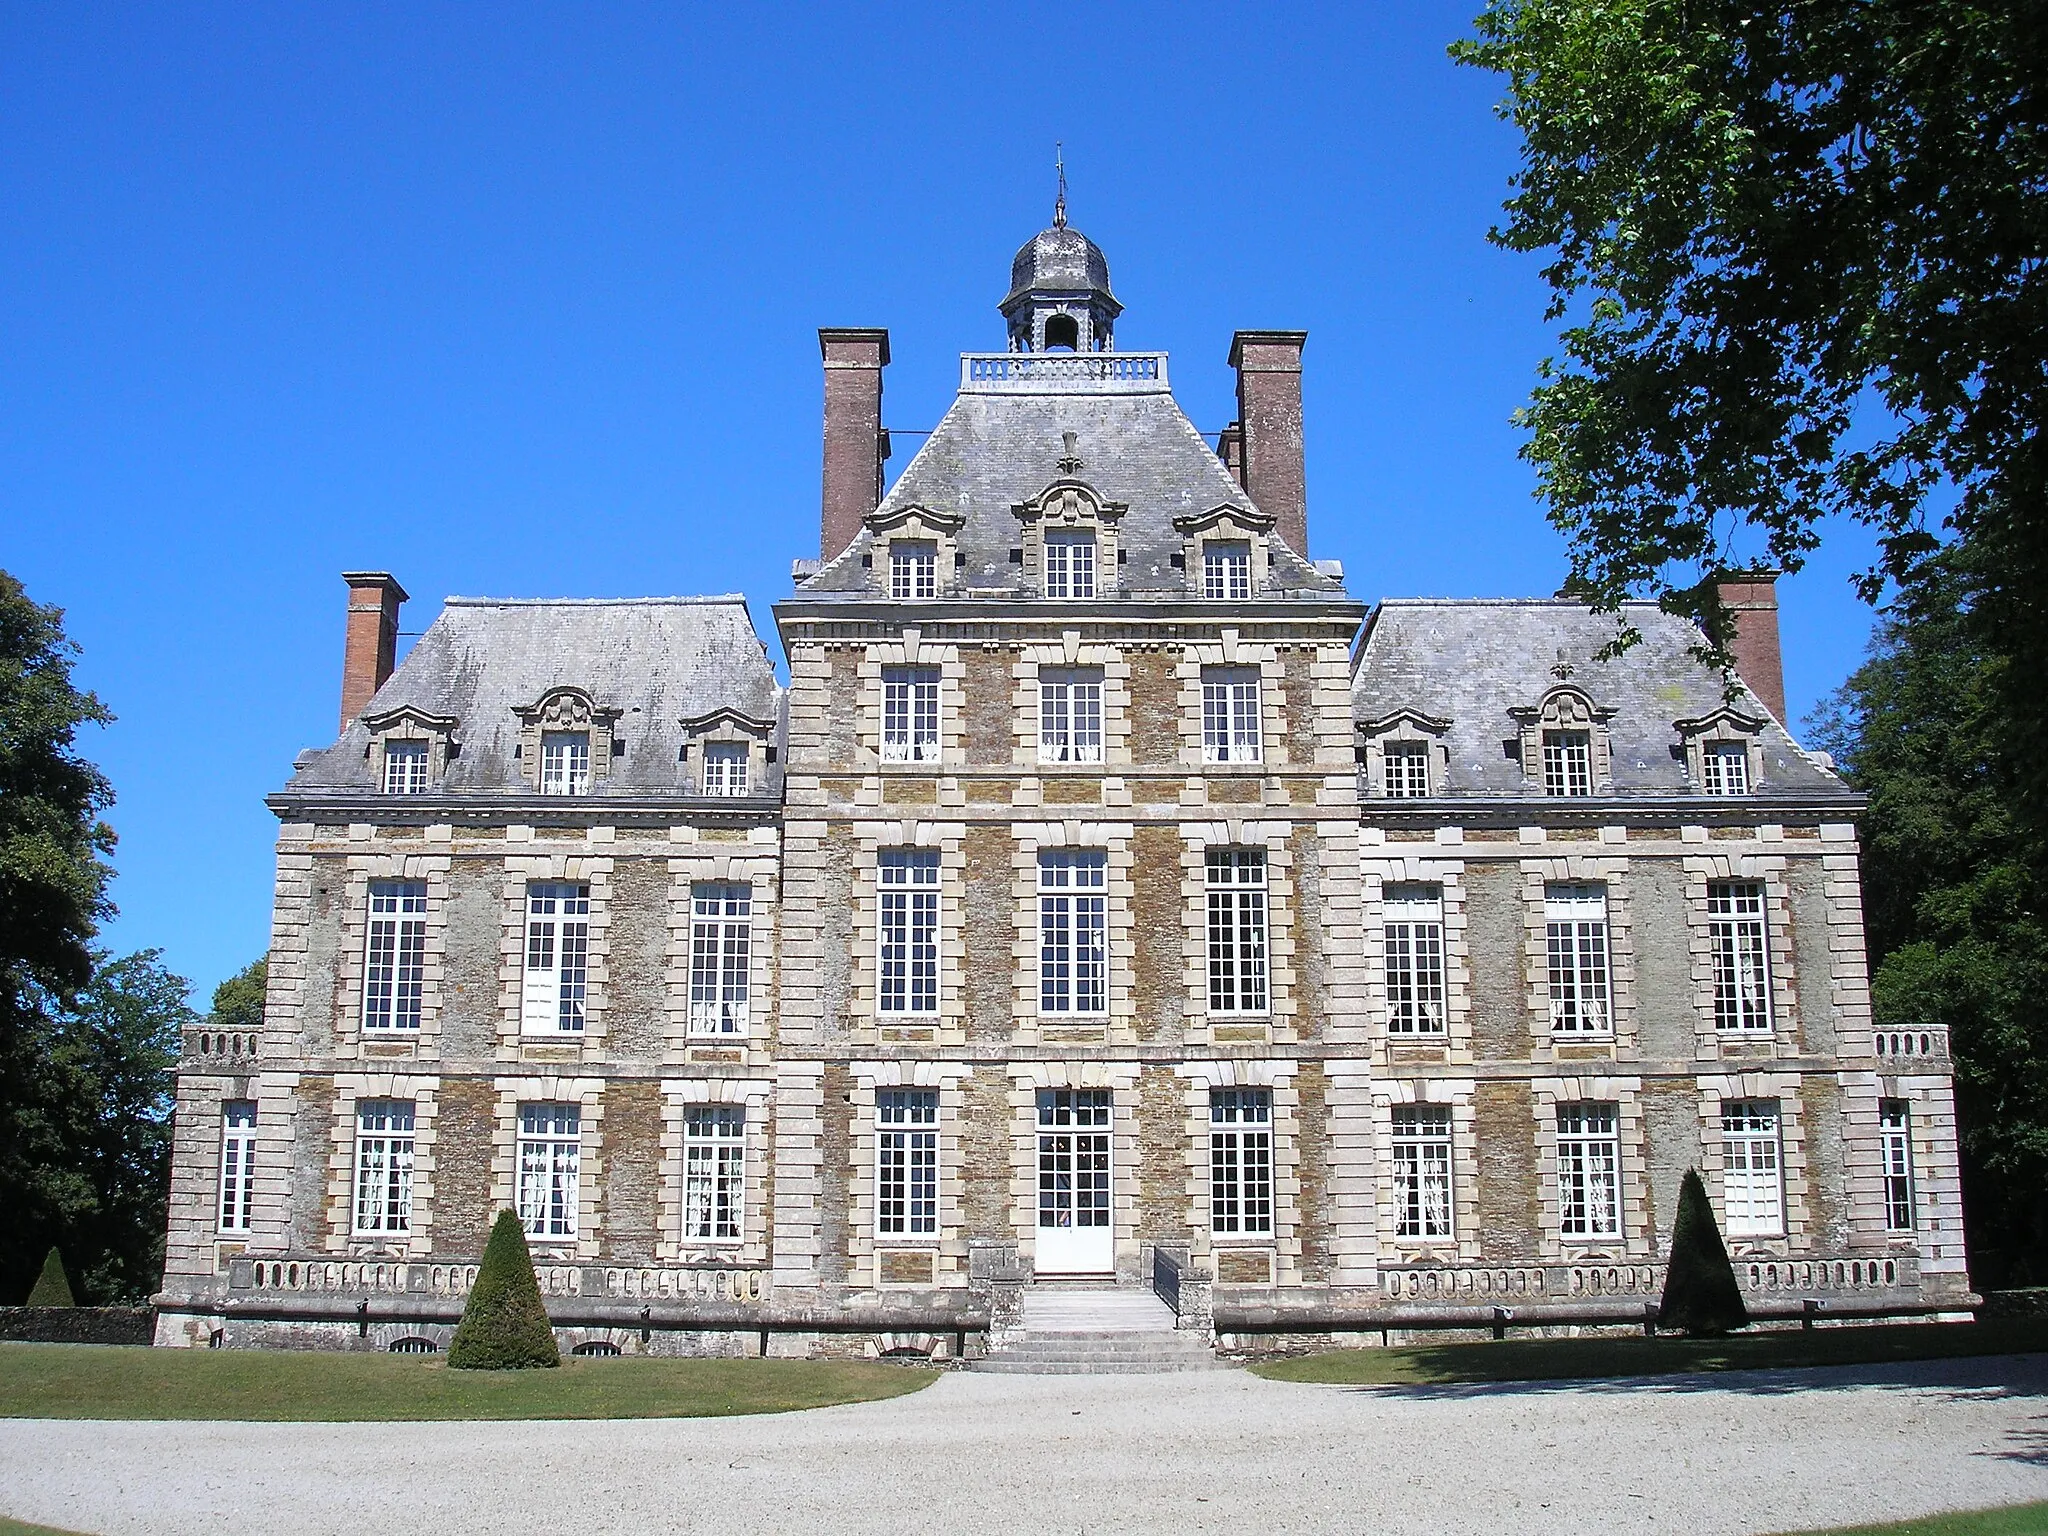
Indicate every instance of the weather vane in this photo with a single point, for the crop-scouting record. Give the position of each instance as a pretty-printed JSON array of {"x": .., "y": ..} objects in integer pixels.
[{"x": 1059, "y": 207}]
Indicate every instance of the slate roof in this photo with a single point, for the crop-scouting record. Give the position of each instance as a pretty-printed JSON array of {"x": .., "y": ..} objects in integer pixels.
[
  {"x": 658, "y": 660},
  {"x": 1471, "y": 661},
  {"x": 1058, "y": 259}
]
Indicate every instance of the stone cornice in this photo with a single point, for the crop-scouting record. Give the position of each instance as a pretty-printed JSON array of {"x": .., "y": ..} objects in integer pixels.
[
  {"x": 369, "y": 808},
  {"x": 1612, "y": 810}
]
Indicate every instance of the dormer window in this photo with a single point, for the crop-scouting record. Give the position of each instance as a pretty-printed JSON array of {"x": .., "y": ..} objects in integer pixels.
[
  {"x": 405, "y": 767},
  {"x": 913, "y": 568},
  {"x": 1723, "y": 752},
  {"x": 1724, "y": 768},
  {"x": 1567, "y": 763},
  {"x": 725, "y": 768},
  {"x": 1227, "y": 571},
  {"x": 1070, "y": 565},
  {"x": 1564, "y": 745},
  {"x": 1404, "y": 770},
  {"x": 565, "y": 763}
]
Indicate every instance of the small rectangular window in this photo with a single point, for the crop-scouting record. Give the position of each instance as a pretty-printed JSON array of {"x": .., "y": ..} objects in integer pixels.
[
  {"x": 1230, "y": 715},
  {"x": 1725, "y": 768},
  {"x": 1413, "y": 944},
  {"x": 1404, "y": 770},
  {"x": 1575, "y": 927},
  {"x": 1073, "y": 933},
  {"x": 714, "y": 1171},
  {"x": 1752, "y": 1178},
  {"x": 394, "y": 955},
  {"x": 1241, "y": 1162},
  {"x": 1070, "y": 565},
  {"x": 237, "y": 1164},
  {"x": 1567, "y": 763},
  {"x": 725, "y": 768},
  {"x": 384, "y": 1147},
  {"x": 1226, "y": 572},
  {"x": 1236, "y": 880},
  {"x": 565, "y": 763},
  {"x": 910, "y": 714},
  {"x": 1895, "y": 1148},
  {"x": 1588, "y": 1170},
  {"x": 721, "y": 944},
  {"x": 405, "y": 767},
  {"x": 907, "y": 1162},
  {"x": 908, "y": 932},
  {"x": 549, "y": 1153},
  {"x": 1070, "y": 716},
  {"x": 557, "y": 958},
  {"x": 1422, "y": 1171},
  {"x": 913, "y": 569},
  {"x": 1742, "y": 962}
]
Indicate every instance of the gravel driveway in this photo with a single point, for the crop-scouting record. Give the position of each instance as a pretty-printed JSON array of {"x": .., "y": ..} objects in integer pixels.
[{"x": 1217, "y": 1451}]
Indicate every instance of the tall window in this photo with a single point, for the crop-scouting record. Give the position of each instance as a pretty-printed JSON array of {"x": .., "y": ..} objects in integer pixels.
[
  {"x": 1413, "y": 940},
  {"x": 1575, "y": 923},
  {"x": 913, "y": 569},
  {"x": 1567, "y": 763},
  {"x": 907, "y": 1162},
  {"x": 1742, "y": 962},
  {"x": 394, "y": 955},
  {"x": 910, "y": 715},
  {"x": 725, "y": 768},
  {"x": 1404, "y": 770},
  {"x": 1230, "y": 715},
  {"x": 721, "y": 941},
  {"x": 550, "y": 1148},
  {"x": 1237, "y": 930},
  {"x": 714, "y": 1170},
  {"x": 1752, "y": 1178},
  {"x": 1895, "y": 1147},
  {"x": 909, "y": 932},
  {"x": 1070, "y": 717},
  {"x": 1070, "y": 565},
  {"x": 1422, "y": 1171},
  {"x": 1227, "y": 571},
  {"x": 405, "y": 767},
  {"x": 557, "y": 958},
  {"x": 565, "y": 762},
  {"x": 1588, "y": 1170},
  {"x": 237, "y": 1164},
  {"x": 1241, "y": 1162},
  {"x": 1073, "y": 933},
  {"x": 1725, "y": 768},
  {"x": 383, "y": 1167}
]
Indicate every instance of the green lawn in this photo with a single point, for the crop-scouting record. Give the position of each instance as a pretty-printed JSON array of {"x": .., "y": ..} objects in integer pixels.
[
  {"x": 2019, "y": 1520},
  {"x": 1567, "y": 1359},
  {"x": 17, "y": 1528},
  {"x": 85, "y": 1381}
]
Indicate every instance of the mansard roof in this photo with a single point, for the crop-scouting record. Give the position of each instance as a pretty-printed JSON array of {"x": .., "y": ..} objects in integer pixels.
[{"x": 1478, "y": 662}]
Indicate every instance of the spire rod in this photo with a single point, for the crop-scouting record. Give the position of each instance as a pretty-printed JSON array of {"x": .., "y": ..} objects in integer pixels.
[{"x": 1059, "y": 207}]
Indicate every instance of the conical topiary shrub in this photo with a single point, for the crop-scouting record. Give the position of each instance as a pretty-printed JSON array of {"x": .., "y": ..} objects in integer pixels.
[
  {"x": 53, "y": 1286},
  {"x": 1700, "y": 1294},
  {"x": 504, "y": 1327}
]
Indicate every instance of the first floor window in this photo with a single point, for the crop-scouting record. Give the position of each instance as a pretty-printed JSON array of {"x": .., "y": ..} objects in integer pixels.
[
  {"x": 1725, "y": 768},
  {"x": 1567, "y": 763},
  {"x": 908, "y": 932},
  {"x": 1070, "y": 565},
  {"x": 394, "y": 954},
  {"x": 1742, "y": 964},
  {"x": 1895, "y": 1147},
  {"x": 565, "y": 763},
  {"x": 1404, "y": 770},
  {"x": 1412, "y": 940},
  {"x": 721, "y": 943},
  {"x": 405, "y": 767},
  {"x": 1070, "y": 716},
  {"x": 1422, "y": 1171},
  {"x": 557, "y": 958},
  {"x": 550, "y": 1147},
  {"x": 1575, "y": 927},
  {"x": 1241, "y": 1162},
  {"x": 1588, "y": 1170},
  {"x": 1073, "y": 933},
  {"x": 1236, "y": 880},
  {"x": 910, "y": 715},
  {"x": 725, "y": 768},
  {"x": 1752, "y": 1177},
  {"x": 907, "y": 1162},
  {"x": 714, "y": 1170},
  {"x": 1230, "y": 715},
  {"x": 384, "y": 1131},
  {"x": 237, "y": 1164}
]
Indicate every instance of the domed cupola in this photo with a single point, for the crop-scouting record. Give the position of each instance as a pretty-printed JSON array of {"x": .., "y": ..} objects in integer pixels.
[{"x": 1059, "y": 299}]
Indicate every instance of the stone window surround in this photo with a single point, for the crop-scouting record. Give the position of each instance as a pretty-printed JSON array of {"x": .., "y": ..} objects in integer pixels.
[
  {"x": 1198, "y": 1080},
  {"x": 197, "y": 1129},
  {"x": 916, "y": 525},
  {"x": 1783, "y": 1089},
  {"x": 725, "y": 727},
  {"x": 1226, "y": 524},
  {"x": 1455, "y": 1044},
  {"x": 910, "y": 651},
  {"x": 1611, "y": 872},
  {"x": 1767, "y": 870},
  {"x": 1404, "y": 725},
  {"x": 1724, "y": 726},
  {"x": 1071, "y": 506},
  {"x": 432, "y": 869},
  {"x": 1114, "y": 841},
  {"x": 1638, "y": 1240},
  {"x": 757, "y": 1096},
  {"x": 587, "y": 1093},
  {"x": 948, "y": 841},
  {"x": 1937, "y": 1190},
  {"x": 758, "y": 872},
  {"x": 525, "y": 869},
  {"x": 409, "y": 724},
  {"x": 948, "y": 1246},
  {"x": 1121, "y": 1079},
  {"x": 567, "y": 708},
  {"x": 1458, "y": 1095},
  {"x": 349, "y": 1087},
  {"x": 1271, "y": 837},
  {"x": 1230, "y": 651},
  {"x": 1037, "y": 657},
  {"x": 1565, "y": 708}
]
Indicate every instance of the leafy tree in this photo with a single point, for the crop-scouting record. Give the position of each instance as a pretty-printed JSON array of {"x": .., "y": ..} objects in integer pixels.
[
  {"x": 1700, "y": 1293},
  {"x": 504, "y": 1326},
  {"x": 238, "y": 1001},
  {"x": 52, "y": 1287}
]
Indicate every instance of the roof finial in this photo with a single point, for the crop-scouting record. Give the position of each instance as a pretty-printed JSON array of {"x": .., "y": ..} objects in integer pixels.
[{"x": 1059, "y": 207}]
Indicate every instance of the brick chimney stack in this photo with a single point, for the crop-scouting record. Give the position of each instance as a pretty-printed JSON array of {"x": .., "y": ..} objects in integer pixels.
[
  {"x": 370, "y": 647},
  {"x": 855, "y": 444},
  {"x": 1268, "y": 365},
  {"x": 1751, "y": 598},
  {"x": 1230, "y": 449}
]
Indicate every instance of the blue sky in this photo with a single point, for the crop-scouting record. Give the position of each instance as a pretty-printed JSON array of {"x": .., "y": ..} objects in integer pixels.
[{"x": 523, "y": 301}]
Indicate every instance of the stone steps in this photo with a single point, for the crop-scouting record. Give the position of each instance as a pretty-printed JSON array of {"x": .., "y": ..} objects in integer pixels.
[{"x": 1097, "y": 1331}]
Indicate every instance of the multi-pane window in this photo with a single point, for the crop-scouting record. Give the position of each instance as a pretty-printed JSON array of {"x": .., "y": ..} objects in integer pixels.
[
  {"x": 1567, "y": 763},
  {"x": 1422, "y": 1171},
  {"x": 1413, "y": 944},
  {"x": 1895, "y": 1150},
  {"x": 913, "y": 568},
  {"x": 394, "y": 954},
  {"x": 1241, "y": 1162},
  {"x": 721, "y": 943},
  {"x": 1575, "y": 928},
  {"x": 1752, "y": 1175},
  {"x": 565, "y": 762},
  {"x": 1237, "y": 930},
  {"x": 1227, "y": 571},
  {"x": 550, "y": 1148},
  {"x": 384, "y": 1129},
  {"x": 1404, "y": 770},
  {"x": 1725, "y": 768},
  {"x": 1073, "y": 933},
  {"x": 237, "y": 1164},
  {"x": 1070, "y": 716},
  {"x": 405, "y": 767},
  {"x": 557, "y": 957},
  {"x": 1742, "y": 958},
  {"x": 725, "y": 768},
  {"x": 908, "y": 931},
  {"x": 1588, "y": 1170},
  {"x": 910, "y": 714},
  {"x": 1070, "y": 565},
  {"x": 714, "y": 1170},
  {"x": 1230, "y": 715},
  {"x": 907, "y": 1162}
]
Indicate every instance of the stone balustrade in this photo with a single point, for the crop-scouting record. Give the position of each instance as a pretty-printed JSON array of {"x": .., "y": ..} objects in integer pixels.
[
  {"x": 1070, "y": 372},
  {"x": 387, "y": 1277}
]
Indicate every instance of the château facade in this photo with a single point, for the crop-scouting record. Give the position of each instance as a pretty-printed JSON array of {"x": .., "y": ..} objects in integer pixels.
[{"x": 1108, "y": 895}]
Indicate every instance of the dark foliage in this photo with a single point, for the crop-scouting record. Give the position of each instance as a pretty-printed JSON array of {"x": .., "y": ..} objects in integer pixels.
[
  {"x": 504, "y": 1326},
  {"x": 1700, "y": 1294},
  {"x": 238, "y": 1001}
]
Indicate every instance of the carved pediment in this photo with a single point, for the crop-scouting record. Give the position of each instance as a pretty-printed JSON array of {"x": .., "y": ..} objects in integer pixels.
[
  {"x": 1227, "y": 519},
  {"x": 1404, "y": 721},
  {"x": 411, "y": 720},
  {"x": 914, "y": 520},
  {"x": 1069, "y": 503},
  {"x": 1725, "y": 721},
  {"x": 727, "y": 719},
  {"x": 1563, "y": 705},
  {"x": 565, "y": 709}
]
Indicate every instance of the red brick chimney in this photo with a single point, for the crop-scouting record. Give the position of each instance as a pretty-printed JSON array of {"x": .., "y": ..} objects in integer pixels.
[
  {"x": 1268, "y": 365},
  {"x": 370, "y": 647},
  {"x": 1751, "y": 598},
  {"x": 1230, "y": 449},
  {"x": 855, "y": 444}
]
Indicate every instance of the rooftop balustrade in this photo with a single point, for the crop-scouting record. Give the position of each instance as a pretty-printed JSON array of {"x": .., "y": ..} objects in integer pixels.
[{"x": 1065, "y": 373}]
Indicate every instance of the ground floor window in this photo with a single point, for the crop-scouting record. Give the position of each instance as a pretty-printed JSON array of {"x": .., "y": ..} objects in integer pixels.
[
  {"x": 714, "y": 1170},
  {"x": 1752, "y": 1173},
  {"x": 1241, "y": 1162},
  {"x": 384, "y": 1146},
  {"x": 1896, "y": 1147},
  {"x": 237, "y": 1164},
  {"x": 1422, "y": 1171},
  {"x": 1588, "y": 1171},
  {"x": 550, "y": 1150},
  {"x": 907, "y": 1162}
]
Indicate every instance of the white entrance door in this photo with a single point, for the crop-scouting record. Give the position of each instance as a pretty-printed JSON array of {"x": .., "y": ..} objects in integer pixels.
[{"x": 1075, "y": 1234}]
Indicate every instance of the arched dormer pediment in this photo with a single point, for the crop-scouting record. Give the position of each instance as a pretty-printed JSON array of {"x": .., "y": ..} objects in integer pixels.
[
  {"x": 1563, "y": 705},
  {"x": 409, "y": 749},
  {"x": 918, "y": 520},
  {"x": 1227, "y": 519},
  {"x": 550, "y": 726},
  {"x": 1564, "y": 743},
  {"x": 1071, "y": 511}
]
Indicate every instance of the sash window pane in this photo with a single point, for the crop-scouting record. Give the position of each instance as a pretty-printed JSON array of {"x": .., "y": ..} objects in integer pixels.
[
  {"x": 1422, "y": 1171},
  {"x": 721, "y": 944},
  {"x": 714, "y": 1170},
  {"x": 1575, "y": 926},
  {"x": 1073, "y": 933},
  {"x": 910, "y": 715},
  {"x": 1742, "y": 965},
  {"x": 557, "y": 958},
  {"x": 549, "y": 1152},
  {"x": 908, "y": 932},
  {"x": 1241, "y": 1162},
  {"x": 1237, "y": 930},
  {"x": 394, "y": 955},
  {"x": 1412, "y": 941},
  {"x": 384, "y": 1145},
  {"x": 907, "y": 1162},
  {"x": 237, "y": 1164},
  {"x": 1588, "y": 1170}
]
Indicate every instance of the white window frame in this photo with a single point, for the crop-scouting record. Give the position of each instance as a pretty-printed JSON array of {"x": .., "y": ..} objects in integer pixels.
[
  {"x": 1404, "y": 770},
  {"x": 714, "y": 1173},
  {"x": 1241, "y": 1162},
  {"x": 405, "y": 767},
  {"x": 1234, "y": 881},
  {"x": 1227, "y": 570},
  {"x": 1567, "y": 763},
  {"x": 907, "y": 933},
  {"x": 1412, "y": 948},
  {"x": 721, "y": 958},
  {"x": 237, "y": 1164},
  {"x": 1895, "y": 1154},
  {"x": 1073, "y": 934},
  {"x": 555, "y": 991},
  {"x": 1579, "y": 957},
  {"x": 910, "y": 714},
  {"x": 394, "y": 956},
  {"x": 1588, "y": 1171},
  {"x": 1070, "y": 715},
  {"x": 549, "y": 1161},
  {"x": 907, "y": 1163},
  {"x": 1070, "y": 565},
  {"x": 913, "y": 568},
  {"x": 1752, "y": 1169},
  {"x": 565, "y": 762},
  {"x": 1232, "y": 729},
  {"x": 1738, "y": 933},
  {"x": 383, "y": 1167},
  {"x": 1424, "y": 1195},
  {"x": 1724, "y": 767},
  {"x": 724, "y": 769}
]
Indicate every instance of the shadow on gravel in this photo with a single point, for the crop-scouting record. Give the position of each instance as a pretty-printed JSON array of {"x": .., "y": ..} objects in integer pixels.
[{"x": 1975, "y": 1379}]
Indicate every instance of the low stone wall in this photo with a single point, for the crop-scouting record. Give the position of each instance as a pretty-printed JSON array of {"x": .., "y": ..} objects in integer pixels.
[
  {"x": 2032, "y": 1302},
  {"x": 77, "y": 1325}
]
